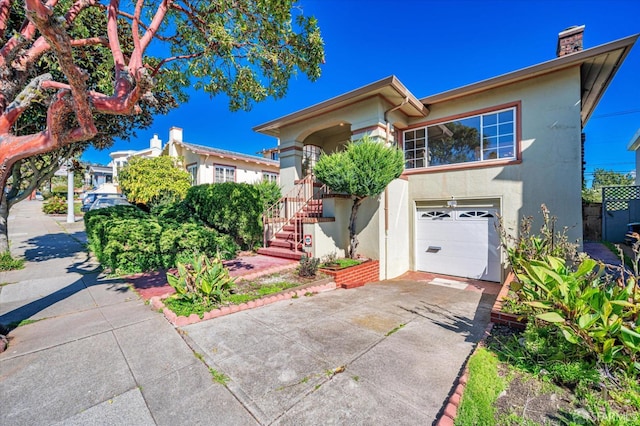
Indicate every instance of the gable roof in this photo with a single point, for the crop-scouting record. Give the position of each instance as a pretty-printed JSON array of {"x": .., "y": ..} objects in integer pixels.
[
  {"x": 222, "y": 153},
  {"x": 390, "y": 88},
  {"x": 597, "y": 65}
]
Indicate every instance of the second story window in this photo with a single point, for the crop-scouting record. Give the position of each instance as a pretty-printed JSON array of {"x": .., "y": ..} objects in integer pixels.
[{"x": 479, "y": 138}]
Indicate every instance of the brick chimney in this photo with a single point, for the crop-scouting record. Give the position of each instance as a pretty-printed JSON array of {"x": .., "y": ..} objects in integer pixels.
[{"x": 570, "y": 40}]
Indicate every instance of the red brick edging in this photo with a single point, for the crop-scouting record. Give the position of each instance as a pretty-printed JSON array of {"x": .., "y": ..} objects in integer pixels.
[
  {"x": 356, "y": 276},
  {"x": 180, "y": 321},
  {"x": 499, "y": 317}
]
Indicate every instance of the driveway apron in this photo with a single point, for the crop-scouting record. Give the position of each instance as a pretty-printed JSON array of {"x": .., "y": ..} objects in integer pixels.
[{"x": 386, "y": 353}]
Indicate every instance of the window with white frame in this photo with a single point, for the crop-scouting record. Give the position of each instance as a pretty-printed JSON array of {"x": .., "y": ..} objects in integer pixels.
[
  {"x": 483, "y": 137},
  {"x": 269, "y": 177},
  {"x": 193, "y": 171},
  {"x": 225, "y": 174}
]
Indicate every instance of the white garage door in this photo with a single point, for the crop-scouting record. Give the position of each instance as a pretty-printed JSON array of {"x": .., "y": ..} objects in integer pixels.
[{"x": 463, "y": 242}]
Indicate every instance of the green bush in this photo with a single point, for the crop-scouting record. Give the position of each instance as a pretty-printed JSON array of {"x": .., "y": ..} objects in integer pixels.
[
  {"x": 308, "y": 266},
  {"x": 55, "y": 205},
  {"x": 232, "y": 208},
  {"x": 201, "y": 280},
  {"x": 126, "y": 239},
  {"x": 596, "y": 312}
]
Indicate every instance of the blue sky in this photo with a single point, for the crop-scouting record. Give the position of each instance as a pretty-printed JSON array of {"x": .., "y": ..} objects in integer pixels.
[{"x": 431, "y": 46}]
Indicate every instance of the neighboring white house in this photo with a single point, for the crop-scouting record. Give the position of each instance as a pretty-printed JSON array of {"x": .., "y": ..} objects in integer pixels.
[
  {"x": 499, "y": 147},
  {"x": 213, "y": 165},
  {"x": 96, "y": 176},
  {"x": 634, "y": 145},
  {"x": 120, "y": 158}
]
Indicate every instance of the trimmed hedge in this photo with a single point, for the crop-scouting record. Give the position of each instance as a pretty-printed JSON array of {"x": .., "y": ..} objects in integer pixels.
[
  {"x": 233, "y": 208},
  {"x": 126, "y": 239}
]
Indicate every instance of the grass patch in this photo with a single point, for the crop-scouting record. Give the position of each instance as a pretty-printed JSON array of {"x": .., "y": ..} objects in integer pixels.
[
  {"x": 482, "y": 390},
  {"x": 245, "y": 292},
  {"x": 341, "y": 263},
  {"x": 394, "y": 330},
  {"x": 219, "y": 377},
  {"x": 8, "y": 263},
  {"x": 17, "y": 324}
]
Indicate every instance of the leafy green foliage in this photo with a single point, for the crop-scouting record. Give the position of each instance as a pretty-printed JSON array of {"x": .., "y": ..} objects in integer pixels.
[
  {"x": 597, "y": 312},
  {"x": 126, "y": 239},
  {"x": 269, "y": 193},
  {"x": 482, "y": 390},
  {"x": 231, "y": 208},
  {"x": 55, "y": 205},
  {"x": 308, "y": 266},
  {"x": 201, "y": 280},
  {"x": 363, "y": 169},
  {"x": 602, "y": 177},
  {"x": 154, "y": 181},
  {"x": 8, "y": 263}
]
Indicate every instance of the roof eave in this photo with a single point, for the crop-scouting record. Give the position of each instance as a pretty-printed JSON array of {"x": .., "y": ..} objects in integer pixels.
[
  {"x": 552, "y": 65},
  {"x": 272, "y": 128},
  {"x": 634, "y": 143}
]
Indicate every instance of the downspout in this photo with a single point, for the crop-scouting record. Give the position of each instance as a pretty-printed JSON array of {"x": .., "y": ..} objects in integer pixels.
[{"x": 386, "y": 191}]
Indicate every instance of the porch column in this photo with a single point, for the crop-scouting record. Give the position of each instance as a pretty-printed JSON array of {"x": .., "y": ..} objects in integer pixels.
[
  {"x": 290, "y": 164},
  {"x": 376, "y": 131}
]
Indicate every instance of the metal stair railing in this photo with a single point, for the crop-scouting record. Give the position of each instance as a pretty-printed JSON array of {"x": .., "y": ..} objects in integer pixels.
[{"x": 289, "y": 210}]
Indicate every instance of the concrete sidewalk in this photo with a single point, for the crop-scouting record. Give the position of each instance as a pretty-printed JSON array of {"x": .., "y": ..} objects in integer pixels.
[
  {"x": 98, "y": 355},
  {"x": 386, "y": 353}
]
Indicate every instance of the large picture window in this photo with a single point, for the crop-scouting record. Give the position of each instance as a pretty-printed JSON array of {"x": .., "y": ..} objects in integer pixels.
[
  {"x": 483, "y": 137},
  {"x": 225, "y": 174}
]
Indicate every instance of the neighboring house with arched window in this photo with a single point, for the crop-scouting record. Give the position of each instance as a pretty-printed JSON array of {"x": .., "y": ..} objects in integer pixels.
[{"x": 496, "y": 148}]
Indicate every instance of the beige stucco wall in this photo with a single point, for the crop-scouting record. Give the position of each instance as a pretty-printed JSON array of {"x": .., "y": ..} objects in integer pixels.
[
  {"x": 550, "y": 171},
  {"x": 395, "y": 242},
  {"x": 364, "y": 114}
]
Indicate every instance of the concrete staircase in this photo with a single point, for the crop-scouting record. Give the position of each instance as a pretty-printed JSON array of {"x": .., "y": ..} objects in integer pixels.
[
  {"x": 287, "y": 243},
  {"x": 283, "y": 221}
]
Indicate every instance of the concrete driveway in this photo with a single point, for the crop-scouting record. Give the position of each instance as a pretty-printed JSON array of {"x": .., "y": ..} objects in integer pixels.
[{"x": 386, "y": 353}]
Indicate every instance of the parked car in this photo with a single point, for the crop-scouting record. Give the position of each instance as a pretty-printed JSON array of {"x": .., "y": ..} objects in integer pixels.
[
  {"x": 102, "y": 202},
  {"x": 633, "y": 233},
  {"x": 91, "y": 197}
]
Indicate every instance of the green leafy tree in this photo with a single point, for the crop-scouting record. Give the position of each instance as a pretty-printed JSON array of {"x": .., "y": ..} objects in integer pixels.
[
  {"x": 30, "y": 173},
  {"x": 78, "y": 71},
  {"x": 363, "y": 169},
  {"x": 154, "y": 181},
  {"x": 602, "y": 178}
]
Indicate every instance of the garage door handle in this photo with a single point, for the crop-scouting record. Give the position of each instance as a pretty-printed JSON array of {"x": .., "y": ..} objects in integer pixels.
[{"x": 433, "y": 249}]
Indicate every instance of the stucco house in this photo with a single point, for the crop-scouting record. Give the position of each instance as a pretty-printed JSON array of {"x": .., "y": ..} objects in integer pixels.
[
  {"x": 213, "y": 165},
  {"x": 498, "y": 147},
  {"x": 120, "y": 158}
]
